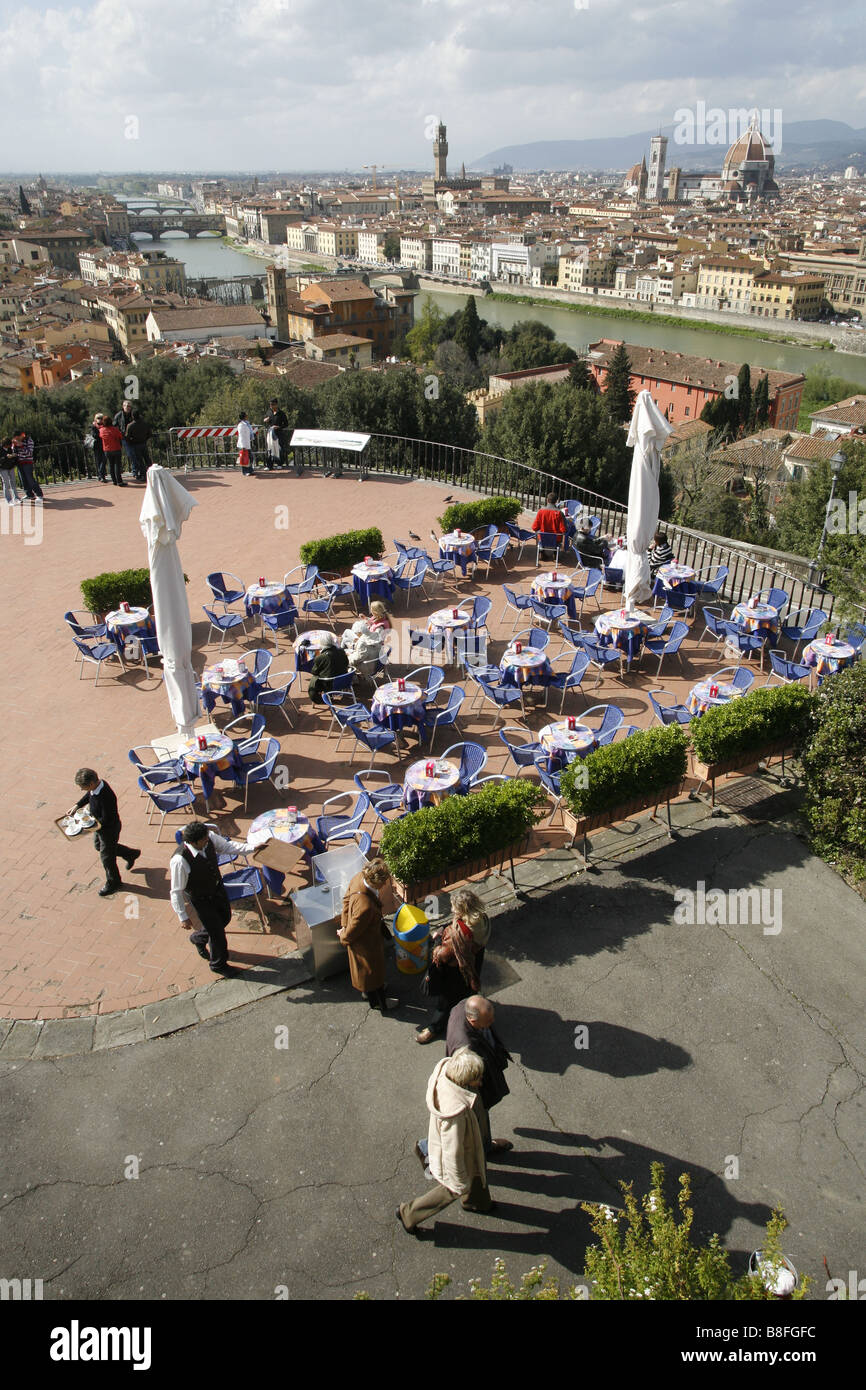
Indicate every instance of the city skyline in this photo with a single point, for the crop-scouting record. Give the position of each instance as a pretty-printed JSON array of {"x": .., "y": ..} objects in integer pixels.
[{"x": 309, "y": 100}]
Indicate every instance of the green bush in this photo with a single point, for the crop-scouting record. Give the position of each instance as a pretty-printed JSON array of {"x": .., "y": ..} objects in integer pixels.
[
  {"x": 340, "y": 553},
  {"x": 762, "y": 717},
  {"x": 107, "y": 591},
  {"x": 461, "y": 829},
  {"x": 465, "y": 516},
  {"x": 620, "y": 772},
  {"x": 834, "y": 770}
]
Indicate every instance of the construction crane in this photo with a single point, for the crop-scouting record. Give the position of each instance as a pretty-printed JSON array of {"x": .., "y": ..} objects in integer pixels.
[{"x": 375, "y": 168}]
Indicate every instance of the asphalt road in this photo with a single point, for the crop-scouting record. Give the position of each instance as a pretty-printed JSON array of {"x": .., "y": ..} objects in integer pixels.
[{"x": 266, "y": 1169}]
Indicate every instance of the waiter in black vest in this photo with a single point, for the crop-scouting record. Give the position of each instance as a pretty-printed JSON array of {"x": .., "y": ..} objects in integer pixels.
[
  {"x": 102, "y": 804},
  {"x": 196, "y": 880}
]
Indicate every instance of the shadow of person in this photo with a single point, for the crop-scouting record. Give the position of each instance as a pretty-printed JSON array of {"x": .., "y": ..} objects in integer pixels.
[
  {"x": 574, "y": 1168},
  {"x": 545, "y": 1042}
]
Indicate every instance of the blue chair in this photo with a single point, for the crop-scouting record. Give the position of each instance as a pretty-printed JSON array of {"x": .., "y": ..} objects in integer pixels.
[
  {"x": 519, "y": 535},
  {"x": 714, "y": 585},
  {"x": 261, "y": 666},
  {"x": 255, "y": 772},
  {"x": 670, "y": 712},
  {"x": 572, "y": 506},
  {"x": 776, "y": 598},
  {"x": 320, "y": 607},
  {"x": 345, "y": 710},
  {"x": 625, "y": 731},
  {"x": 588, "y": 589},
  {"x": 573, "y": 638},
  {"x": 492, "y": 551},
  {"x": 518, "y": 603},
  {"x": 91, "y": 632},
  {"x": 594, "y": 526},
  {"x": 786, "y": 671},
  {"x": 532, "y": 637},
  {"x": 445, "y": 717},
  {"x": 550, "y": 782},
  {"x": 374, "y": 739},
  {"x": 473, "y": 760},
  {"x": 681, "y": 599},
  {"x": 428, "y": 677},
  {"x": 481, "y": 606},
  {"x": 413, "y": 581},
  {"x": 547, "y": 540},
  {"x": 275, "y": 622},
  {"x": 855, "y": 636},
  {"x": 277, "y": 695},
  {"x": 96, "y": 654},
  {"x": 252, "y": 734},
  {"x": 223, "y": 624},
  {"x": 746, "y": 642},
  {"x": 738, "y": 676},
  {"x": 362, "y": 839},
  {"x": 657, "y": 628},
  {"x": 385, "y": 800},
  {"x": 245, "y": 883},
  {"x": 712, "y": 618},
  {"x": 798, "y": 633},
  {"x": 331, "y": 822},
  {"x": 222, "y": 590},
  {"x": 670, "y": 647},
  {"x": 166, "y": 800},
  {"x": 470, "y": 647},
  {"x": 521, "y": 754},
  {"x": 570, "y": 679},
  {"x": 160, "y": 771},
  {"x": 442, "y": 566},
  {"x": 611, "y": 719},
  {"x": 301, "y": 586},
  {"x": 432, "y": 642},
  {"x": 613, "y": 578},
  {"x": 227, "y": 857},
  {"x": 602, "y": 657},
  {"x": 501, "y": 696},
  {"x": 547, "y": 612},
  {"x": 409, "y": 552}
]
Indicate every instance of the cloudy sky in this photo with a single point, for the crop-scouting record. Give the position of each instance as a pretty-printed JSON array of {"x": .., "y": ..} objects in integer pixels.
[{"x": 333, "y": 84}]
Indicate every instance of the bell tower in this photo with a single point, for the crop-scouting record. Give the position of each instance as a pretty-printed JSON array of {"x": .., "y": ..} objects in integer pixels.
[{"x": 440, "y": 154}]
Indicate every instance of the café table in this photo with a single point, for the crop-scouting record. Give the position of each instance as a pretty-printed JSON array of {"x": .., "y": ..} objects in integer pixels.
[
  {"x": 421, "y": 788},
  {"x": 700, "y": 699},
  {"x": 307, "y": 647},
  {"x": 371, "y": 580},
  {"x": 554, "y": 587},
  {"x": 624, "y": 630},
  {"x": 444, "y": 621},
  {"x": 121, "y": 625},
  {"x": 219, "y": 758},
  {"x": 558, "y": 741},
  {"x": 292, "y": 828},
  {"x": 393, "y": 708},
  {"x": 530, "y": 666},
  {"x": 457, "y": 547},
  {"x": 826, "y": 658},
  {"x": 266, "y": 598},
  {"x": 228, "y": 680},
  {"x": 760, "y": 617},
  {"x": 673, "y": 575}
]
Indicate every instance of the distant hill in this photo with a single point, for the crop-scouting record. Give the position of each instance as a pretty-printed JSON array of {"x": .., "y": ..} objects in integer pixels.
[{"x": 805, "y": 144}]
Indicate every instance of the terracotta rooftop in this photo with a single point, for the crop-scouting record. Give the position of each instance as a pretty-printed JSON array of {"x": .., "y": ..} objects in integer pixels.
[{"x": 679, "y": 367}]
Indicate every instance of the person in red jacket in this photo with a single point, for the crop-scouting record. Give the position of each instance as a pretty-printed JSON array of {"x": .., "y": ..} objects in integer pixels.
[
  {"x": 112, "y": 447},
  {"x": 549, "y": 520}
]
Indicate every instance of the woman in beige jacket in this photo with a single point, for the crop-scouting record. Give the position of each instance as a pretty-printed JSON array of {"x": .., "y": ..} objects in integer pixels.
[{"x": 455, "y": 1148}]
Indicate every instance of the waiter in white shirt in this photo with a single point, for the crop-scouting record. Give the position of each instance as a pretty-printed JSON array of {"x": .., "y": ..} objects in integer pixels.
[
  {"x": 245, "y": 445},
  {"x": 196, "y": 879}
]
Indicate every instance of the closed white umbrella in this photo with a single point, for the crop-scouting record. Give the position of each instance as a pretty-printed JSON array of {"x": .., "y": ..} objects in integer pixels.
[
  {"x": 647, "y": 433},
  {"x": 165, "y": 508}
]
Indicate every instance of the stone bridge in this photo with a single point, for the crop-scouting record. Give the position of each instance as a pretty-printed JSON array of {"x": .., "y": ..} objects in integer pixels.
[{"x": 193, "y": 223}]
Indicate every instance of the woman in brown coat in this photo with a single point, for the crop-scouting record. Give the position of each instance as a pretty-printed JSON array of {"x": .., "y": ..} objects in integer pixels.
[{"x": 361, "y": 933}]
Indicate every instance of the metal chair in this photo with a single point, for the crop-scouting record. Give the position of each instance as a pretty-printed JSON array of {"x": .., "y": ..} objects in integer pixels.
[
  {"x": 547, "y": 612},
  {"x": 245, "y": 883},
  {"x": 523, "y": 755},
  {"x": 672, "y": 712},
  {"x": 590, "y": 587},
  {"x": 275, "y": 622},
  {"x": 519, "y": 535},
  {"x": 223, "y": 624},
  {"x": 787, "y": 671},
  {"x": 330, "y": 823},
  {"x": 277, "y": 696},
  {"x": 263, "y": 771},
  {"x": 611, "y": 719},
  {"x": 670, "y": 647},
  {"x": 432, "y": 642},
  {"x": 570, "y": 679},
  {"x": 166, "y": 800},
  {"x": 712, "y": 618},
  {"x": 548, "y": 540},
  {"x": 414, "y": 581},
  {"x": 374, "y": 739},
  {"x": 222, "y": 590},
  {"x": 473, "y": 760},
  {"x": 799, "y": 633},
  {"x": 345, "y": 710},
  {"x": 385, "y": 800},
  {"x": 445, "y": 717},
  {"x": 95, "y": 655},
  {"x": 519, "y": 603}
]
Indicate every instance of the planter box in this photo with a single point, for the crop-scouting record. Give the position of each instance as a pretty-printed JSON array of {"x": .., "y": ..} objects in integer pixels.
[
  {"x": 741, "y": 762},
  {"x": 458, "y": 873},
  {"x": 598, "y": 820}
]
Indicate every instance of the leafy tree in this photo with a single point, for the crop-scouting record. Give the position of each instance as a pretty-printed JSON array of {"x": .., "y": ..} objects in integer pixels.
[
  {"x": 822, "y": 390},
  {"x": 580, "y": 377},
  {"x": 423, "y": 339},
  {"x": 468, "y": 334},
  {"x": 834, "y": 772},
  {"x": 618, "y": 395},
  {"x": 391, "y": 247},
  {"x": 723, "y": 417},
  {"x": 562, "y": 431},
  {"x": 452, "y": 359},
  {"x": 397, "y": 403}
]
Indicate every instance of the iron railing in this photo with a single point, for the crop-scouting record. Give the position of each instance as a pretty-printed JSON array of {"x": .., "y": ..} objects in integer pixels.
[{"x": 456, "y": 467}]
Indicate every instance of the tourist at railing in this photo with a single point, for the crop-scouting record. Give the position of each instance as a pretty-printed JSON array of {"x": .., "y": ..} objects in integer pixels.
[
  {"x": 138, "y": 432},
  {"x": 22, "y": 452},
  {"x": 121, "y": 422},
  {"x": 94, "y": 441},
  {"x": 112, "y": 446},
  {"x": 7, "y": 462}
]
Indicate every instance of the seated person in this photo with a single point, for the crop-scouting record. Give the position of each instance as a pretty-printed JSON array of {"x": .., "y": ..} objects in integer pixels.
[
  {"x": 661, "y": 552},
  {"x": 593, "y": 550},
  {"x": 331, "y": 661},
  {"x": 379, "y": 618},
  {"x": 363, "y": 647},
  {"x": 550, "y": 519}
]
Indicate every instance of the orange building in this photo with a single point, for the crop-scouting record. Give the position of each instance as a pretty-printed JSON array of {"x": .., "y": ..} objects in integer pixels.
[{"x": 682, "y": 385}]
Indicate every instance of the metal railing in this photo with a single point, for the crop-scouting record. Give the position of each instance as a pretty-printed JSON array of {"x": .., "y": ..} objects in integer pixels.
[{"x": 456, "y": 467}]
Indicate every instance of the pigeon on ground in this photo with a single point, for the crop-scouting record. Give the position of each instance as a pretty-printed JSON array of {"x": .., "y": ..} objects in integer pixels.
[
  {"x": 449, "y": 499},
  {"x": 433, "y": 536},
  {"x": 413, "y": 537}
]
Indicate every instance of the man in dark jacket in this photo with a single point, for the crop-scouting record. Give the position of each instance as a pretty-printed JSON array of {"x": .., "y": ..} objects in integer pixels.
[
  {"x": 138, "y": 432},
  {"x": 331, "y": 661},
  {"x": 592, "y": 550},
  {"x": 102, "y": 804},
  {"x": 470, "y": 1024},
  {"x": 196, "y": 880},
  {"x": 121, "y": 422},
  {"x": 277, "y": 420}
]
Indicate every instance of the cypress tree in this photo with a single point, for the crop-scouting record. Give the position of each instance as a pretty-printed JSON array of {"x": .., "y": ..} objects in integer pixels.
[
  {"x": 468, "y": 332},
  {"x": 618, "y": 395}
]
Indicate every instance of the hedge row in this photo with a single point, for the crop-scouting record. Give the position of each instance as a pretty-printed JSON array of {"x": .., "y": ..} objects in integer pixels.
[
  {"x": 641, "y": 765},
  {"x": 466, "y": 516},
  {"x": 762, "y": 717},
  {"x": 461, "y": 829},
  {"x": 340, "y": 553}
]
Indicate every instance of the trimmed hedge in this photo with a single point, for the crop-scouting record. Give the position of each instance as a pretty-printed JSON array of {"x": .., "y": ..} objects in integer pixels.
[
  {"x": 465, "y": 516},
  {"x": 834, "y": 771},
  {"x": 108, "y": 591},
  {"x": 460, "y": 829},
  {"x": 618, "y": 773},
  {"x": 765, "y": 716},
  {"x": 340, "y": 553}
]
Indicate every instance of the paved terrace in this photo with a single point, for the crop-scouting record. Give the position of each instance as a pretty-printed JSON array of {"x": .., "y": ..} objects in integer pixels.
[{"x": 66, "y": 953}]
